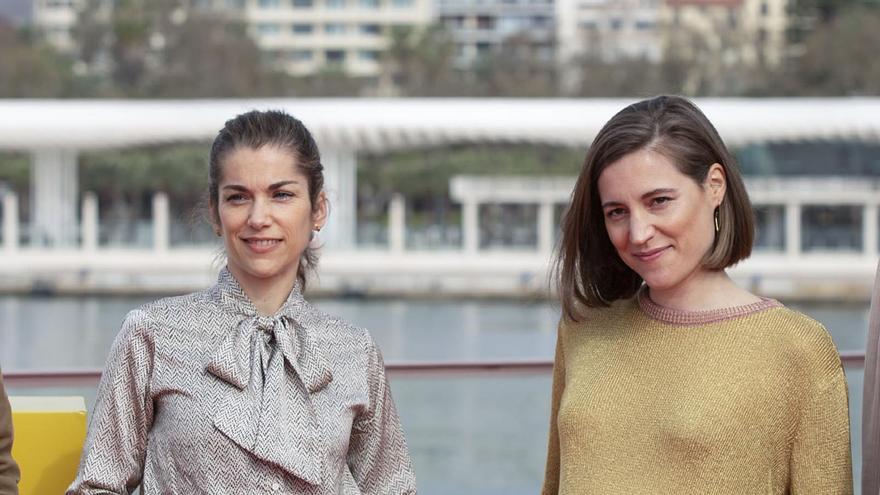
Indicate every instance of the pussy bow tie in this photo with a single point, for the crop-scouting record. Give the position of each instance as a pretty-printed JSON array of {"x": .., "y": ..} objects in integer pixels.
[{"x": 276, "y": 367}]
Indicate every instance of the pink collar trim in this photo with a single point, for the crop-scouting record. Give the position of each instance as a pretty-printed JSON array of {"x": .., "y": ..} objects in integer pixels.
[{"x": 704, "y": 317}]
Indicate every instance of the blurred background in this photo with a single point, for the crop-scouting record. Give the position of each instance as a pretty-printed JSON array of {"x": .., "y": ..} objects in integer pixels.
[{"x": 452, "y": 131}]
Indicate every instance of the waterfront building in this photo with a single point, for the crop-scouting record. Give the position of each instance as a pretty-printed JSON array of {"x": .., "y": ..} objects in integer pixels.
[
  {"x": 305, "y": 36},
  {"x": 747, "y": 31},
  {"x": 55, "y": 19},
  {"x": 300, "y": 36},
  {"x": 480, "y": 26},
  {"x": 609, "y": 29}
]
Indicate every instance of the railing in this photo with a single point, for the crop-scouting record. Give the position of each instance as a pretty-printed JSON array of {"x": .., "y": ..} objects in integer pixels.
[{"x": 90, "y": 376}]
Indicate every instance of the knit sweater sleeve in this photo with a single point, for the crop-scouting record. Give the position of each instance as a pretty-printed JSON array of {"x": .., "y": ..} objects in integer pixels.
[
  {"x": 551, "y": 476},
  {"x": 821, "y": 462},
  {"x": 9, "y": 474}
]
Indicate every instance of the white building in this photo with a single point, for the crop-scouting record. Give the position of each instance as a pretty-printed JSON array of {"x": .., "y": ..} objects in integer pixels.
[
  {"x": 306, "y": 35},
  {"x": 479, "y": 26},
  {"x": 610, "y": 29},
  {"x": 55, "y": 19},
  {"x": 752, "y": 31},
  {"x": 303, "y": 36}
]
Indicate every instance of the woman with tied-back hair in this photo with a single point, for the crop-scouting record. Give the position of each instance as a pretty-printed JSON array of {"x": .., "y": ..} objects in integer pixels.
[
  {"x": 668, "y": 377},
  {"x": 246, "y": 387}
]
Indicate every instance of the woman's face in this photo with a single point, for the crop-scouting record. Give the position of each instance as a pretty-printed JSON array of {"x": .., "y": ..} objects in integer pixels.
[
  {"x": 265, "y": 216},
  {"x": 660, "y": 221}
]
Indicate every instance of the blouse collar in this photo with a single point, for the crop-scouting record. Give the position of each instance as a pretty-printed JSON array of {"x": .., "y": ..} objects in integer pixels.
[{"x": 256, "y": 416}]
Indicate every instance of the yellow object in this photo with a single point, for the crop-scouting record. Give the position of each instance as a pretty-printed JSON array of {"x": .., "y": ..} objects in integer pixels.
[{"x": 49, "y": 436}]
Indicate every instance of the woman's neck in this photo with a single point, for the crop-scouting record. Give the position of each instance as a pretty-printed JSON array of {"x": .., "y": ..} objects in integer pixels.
[{"x": 706, "y": 290}]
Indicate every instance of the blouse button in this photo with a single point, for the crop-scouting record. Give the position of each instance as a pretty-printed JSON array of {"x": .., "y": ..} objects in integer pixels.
[{"x": 275, "y": 487}]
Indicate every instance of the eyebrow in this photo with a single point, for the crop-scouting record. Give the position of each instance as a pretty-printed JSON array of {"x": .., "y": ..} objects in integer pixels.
[
  {"x": 275, "y": 185},
  {"x": 652, "y": 192}
]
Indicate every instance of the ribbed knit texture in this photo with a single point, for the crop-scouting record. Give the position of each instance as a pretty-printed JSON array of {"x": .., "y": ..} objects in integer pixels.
[{"x": 649, "y": 400}]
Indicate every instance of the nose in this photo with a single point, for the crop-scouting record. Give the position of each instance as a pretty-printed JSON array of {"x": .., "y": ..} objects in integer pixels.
[
  {"x": 259, "y": 216},
  {"x": 641, "y": 229}
]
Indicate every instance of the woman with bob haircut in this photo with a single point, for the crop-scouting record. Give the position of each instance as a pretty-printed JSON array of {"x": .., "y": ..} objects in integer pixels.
[
  {"x": 668, "y": 377},
  {"x": 245, "y": 387}
]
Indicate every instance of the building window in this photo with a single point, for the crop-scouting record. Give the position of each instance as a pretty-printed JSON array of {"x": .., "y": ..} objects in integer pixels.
[
  {"x": 368, "y": 55},
  {"x": 831, "y": 228},
  {"x": 616, "y": 24},
  {"x": 334, "y": 28},
  {"x": 369, "y": 4},
  {"x": 269, "y": 4},
  {"x": 645, "y": 25},
  {"x": 335, "y": 4},
  {"x": 765, "y": 9},
  {"x": 303, "y": 4},
  {"x": 268, "y": 28},
  {"x": 371, "y": 29},
  {"x": 235, "y": 4},
  {"x": 301, "y": 56},
  {"x": 334, "y": 57},
  {"x": 589, "y": 25},
  {"x": 485, "y": 22},
  {"x": 302, "y": 29},
  {"x": 402, "y": 4}
]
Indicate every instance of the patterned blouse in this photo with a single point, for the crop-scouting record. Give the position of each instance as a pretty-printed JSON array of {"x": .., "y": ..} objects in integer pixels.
[{"x": 201, "y": 394}]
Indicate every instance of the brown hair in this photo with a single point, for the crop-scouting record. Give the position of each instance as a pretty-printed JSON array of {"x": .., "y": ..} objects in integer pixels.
[
  {"x": 589, "y": 273},
  {"x": 256, "y": 129}
]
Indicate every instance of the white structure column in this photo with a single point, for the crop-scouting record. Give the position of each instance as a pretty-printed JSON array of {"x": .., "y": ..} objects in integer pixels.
[
  {"x": 10, "y": 222},
  {"x": 869, "y": 229},
  {"x": 470, "y": 226},
  {"x": 54, "y": 189},
  {"x": 397, "y": 223},
  {"x": 792, "y": 229},
  {"x": 160, "y": 222},
  {"x": 340, "y": 185},
  {"x": 545, "y": 227},
  {"x": 89, "y": 222}
]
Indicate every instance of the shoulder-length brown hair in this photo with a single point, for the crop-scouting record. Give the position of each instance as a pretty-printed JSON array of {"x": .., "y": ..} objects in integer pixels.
[{"x": 589, "y": 273}]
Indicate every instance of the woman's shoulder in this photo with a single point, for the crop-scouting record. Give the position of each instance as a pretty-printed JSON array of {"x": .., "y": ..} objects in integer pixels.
[
  {"x": 800, "y": 339},
  {"x": 338, "y": 330},
  {"x": 166, "y": 312}
]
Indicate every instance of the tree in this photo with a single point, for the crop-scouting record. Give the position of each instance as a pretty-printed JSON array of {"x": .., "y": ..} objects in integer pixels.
[
  {"x": 156, "y": 48},
  {"x": 839, "y": 59},
  {"x": 419, "y": 62},
  {"x": 518, "y": 67},
  {"x": 30, "y": 68}
]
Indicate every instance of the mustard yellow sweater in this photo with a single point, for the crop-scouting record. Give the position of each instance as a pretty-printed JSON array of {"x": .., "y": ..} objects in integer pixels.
[{"x": 648, "y": 400}]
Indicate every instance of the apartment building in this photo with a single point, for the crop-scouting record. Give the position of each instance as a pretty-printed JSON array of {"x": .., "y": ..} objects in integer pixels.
[
  {"x": 610, "y": 29},
  {"x": 751, "y": 31},
  {"x": 55, "y": 19},
  {"x": 307, "y": 35},
  {"x": 479, "y": 26}
]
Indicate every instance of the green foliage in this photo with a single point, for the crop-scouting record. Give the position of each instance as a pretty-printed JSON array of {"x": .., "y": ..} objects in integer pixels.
[
  {"x": 31, "y": 68},
  {"x": 426, "y": 172},
  {"x": 131, "y": 176},
  {"x": 15, "y": 171}
]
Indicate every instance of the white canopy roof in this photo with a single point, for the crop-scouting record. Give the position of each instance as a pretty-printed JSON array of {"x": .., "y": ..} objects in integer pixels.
[{"x": 381, "y": 124}]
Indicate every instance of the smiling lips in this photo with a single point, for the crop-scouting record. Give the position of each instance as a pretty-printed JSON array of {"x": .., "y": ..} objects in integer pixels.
[
  {"x": 261, "y": 245},
  {"x": 650, "y": 255}
]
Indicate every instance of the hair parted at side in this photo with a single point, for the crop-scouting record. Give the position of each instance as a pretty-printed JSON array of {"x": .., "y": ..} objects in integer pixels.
[
  {"x": 589, "y": 273},
  {"x": 254, "y": 130}
]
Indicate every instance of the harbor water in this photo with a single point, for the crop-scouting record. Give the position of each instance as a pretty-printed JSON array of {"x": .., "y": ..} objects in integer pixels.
[{"x": 468, "y": 433}]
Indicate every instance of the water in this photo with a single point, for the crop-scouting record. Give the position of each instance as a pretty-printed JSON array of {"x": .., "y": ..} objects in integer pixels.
[{"x": 468, "y": 434}]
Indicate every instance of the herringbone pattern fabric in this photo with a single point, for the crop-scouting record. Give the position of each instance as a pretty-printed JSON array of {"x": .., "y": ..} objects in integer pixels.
[{"x": 203, "y": 395}]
